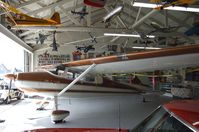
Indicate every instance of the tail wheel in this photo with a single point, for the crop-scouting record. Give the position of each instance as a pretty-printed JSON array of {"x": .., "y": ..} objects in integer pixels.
[{"x": 8, "y": 100}]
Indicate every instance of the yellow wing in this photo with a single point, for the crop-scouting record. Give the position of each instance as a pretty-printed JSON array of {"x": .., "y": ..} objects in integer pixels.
[{"x": 9, "y": 8}]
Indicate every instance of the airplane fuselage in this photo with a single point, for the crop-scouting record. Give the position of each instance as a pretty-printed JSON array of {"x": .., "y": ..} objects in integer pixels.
[
  {"x": 32, "y": 22},
  {"x": 46, "y": 83}
]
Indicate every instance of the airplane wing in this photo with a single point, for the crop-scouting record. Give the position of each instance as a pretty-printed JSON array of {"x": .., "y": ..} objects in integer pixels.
[
  {"x": 176, "y": 3},
  {"x": 168, "y": 58},
  {"x": 10, "y": 8}
]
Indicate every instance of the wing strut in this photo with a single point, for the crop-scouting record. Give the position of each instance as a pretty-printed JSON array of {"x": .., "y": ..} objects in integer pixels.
[
  {"x": 58, "y": 116},
  {"x": 77, "y": 79},
  {"x": 72, "y": 83}
]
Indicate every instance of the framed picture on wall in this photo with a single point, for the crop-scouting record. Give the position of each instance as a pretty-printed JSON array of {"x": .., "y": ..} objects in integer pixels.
[{"x": 91, "y": 55}]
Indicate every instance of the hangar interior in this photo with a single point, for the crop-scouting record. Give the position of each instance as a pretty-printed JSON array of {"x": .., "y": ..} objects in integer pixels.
[
  {"x": 84, "y": 32},
  {"x": 78, "y": 32}
]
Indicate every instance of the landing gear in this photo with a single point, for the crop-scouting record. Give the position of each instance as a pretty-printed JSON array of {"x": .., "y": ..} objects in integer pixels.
[{"x": 58, "y": 116}]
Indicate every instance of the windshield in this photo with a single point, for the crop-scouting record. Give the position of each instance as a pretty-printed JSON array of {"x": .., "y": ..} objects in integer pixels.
[{"x": 161, "y": 121}]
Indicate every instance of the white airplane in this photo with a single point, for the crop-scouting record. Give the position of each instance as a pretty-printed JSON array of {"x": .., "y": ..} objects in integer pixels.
[
  {"x": 46, "y": 83},
  {"x": 113, "y": 13}
]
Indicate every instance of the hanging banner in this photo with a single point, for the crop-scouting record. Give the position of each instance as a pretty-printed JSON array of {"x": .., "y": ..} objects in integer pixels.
[{"x": 95, "y": 3}]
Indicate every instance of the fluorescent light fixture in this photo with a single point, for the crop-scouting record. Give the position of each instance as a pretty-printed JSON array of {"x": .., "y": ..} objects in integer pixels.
[
  {"x": 146, "y": 47},
  {"x": 127, "y": 35},
  {"x": 177, "y": 8}
]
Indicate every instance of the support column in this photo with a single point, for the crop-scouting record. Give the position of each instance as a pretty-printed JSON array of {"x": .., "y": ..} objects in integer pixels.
[{"x": 55, "y": 102}]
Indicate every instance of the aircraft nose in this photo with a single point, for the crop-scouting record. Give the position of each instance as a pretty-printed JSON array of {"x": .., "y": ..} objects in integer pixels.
[{"x": 11, "y": 76}]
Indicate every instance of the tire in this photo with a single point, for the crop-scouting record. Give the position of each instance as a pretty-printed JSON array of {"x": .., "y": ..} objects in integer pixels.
[
  {"x": 21, "y": 96},
  {"x": 9, "y": 27},
  {"x": 7, "y": 100}
]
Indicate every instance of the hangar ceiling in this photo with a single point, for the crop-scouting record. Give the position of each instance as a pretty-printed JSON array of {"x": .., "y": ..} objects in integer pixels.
[{"x": 133, "y": 20}]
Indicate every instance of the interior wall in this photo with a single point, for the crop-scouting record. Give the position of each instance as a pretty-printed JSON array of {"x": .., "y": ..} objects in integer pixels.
[
  {"x": 27, "y": 62},
  {"x": 64, "y": 50}
]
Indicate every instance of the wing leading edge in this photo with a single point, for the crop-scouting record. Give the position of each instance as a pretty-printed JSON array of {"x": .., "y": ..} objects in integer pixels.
[{"x": 168, "y": 58}]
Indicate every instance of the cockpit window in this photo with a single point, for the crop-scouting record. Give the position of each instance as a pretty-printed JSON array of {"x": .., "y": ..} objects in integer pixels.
[{"x": 161, "y": 121}]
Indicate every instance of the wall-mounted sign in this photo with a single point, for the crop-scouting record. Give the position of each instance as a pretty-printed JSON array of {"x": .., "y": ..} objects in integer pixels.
[{"x": 49, "y": 59}]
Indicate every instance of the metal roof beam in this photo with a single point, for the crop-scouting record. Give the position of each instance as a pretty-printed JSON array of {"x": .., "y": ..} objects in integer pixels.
[
  {"x": 173, "y": 18},
  {"x": 12, "y": 36},
  {"x": 23, "y": 5},
  {"x": 27, "y": 3},
  {"x": 142, "y": 13},
  {"x": 141, "y": 20},
  {"x": 72, "y": 18},
  {"x": 44, "y": 47},
  {"x": 180, "y": 22},
  {"x": 25, "y": 33},
  {"x": 89, "y": 16},
  {"x": 62, "y": 2},
  {"x": 77, "y": 29}
]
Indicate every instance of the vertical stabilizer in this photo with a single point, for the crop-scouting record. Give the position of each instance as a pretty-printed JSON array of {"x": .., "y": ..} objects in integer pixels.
[{"x": 56, "y": 18}]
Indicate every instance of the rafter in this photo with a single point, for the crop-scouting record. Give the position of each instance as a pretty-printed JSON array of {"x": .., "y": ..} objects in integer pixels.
[
  {"x": 44, "y": 47},
  {"x": 72, "y": 18},
  {"x": 27, "y": 3},
  {"x": 61, "y": 2},
  {"x": 89, "y": 16},
  {"x": 8, "y": 33},
  {"x": 173, "y": 18},
  {"x": 77, "y": 29}
]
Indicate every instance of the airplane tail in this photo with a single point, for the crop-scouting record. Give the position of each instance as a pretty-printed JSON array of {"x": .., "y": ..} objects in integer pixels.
[
  {"x": 187, "y": 1},
  {"x": 56, "y": 17}
]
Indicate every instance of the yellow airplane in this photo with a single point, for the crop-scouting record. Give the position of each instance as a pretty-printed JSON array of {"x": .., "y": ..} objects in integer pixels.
[
  {"x": 17, "y": 18},
  {"x": 168, "y": 3}
]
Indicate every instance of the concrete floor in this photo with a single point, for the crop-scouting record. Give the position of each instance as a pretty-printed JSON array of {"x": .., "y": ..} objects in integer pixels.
[{"x": 96, "y": 111}]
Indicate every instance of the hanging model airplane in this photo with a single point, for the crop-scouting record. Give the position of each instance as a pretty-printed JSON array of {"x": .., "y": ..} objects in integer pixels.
[
  {"x": 19, "y": 19},
  {"x": 161, "y": 29},
  {"x": 41, "y": 38},
  {"x": 112, "y": 14},
  {"x": 54, "y": 45},
  {"x": 81, "y": 13},
  {"x": 93, "y": 38},
  {"x": 168, "y": 3},
  {"x": 46, "y": 83},
  {"x": 85, "y": 48}
]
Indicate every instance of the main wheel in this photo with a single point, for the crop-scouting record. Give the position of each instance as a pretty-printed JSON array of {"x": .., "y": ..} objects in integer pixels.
[{"x": 8, "y": 27}]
